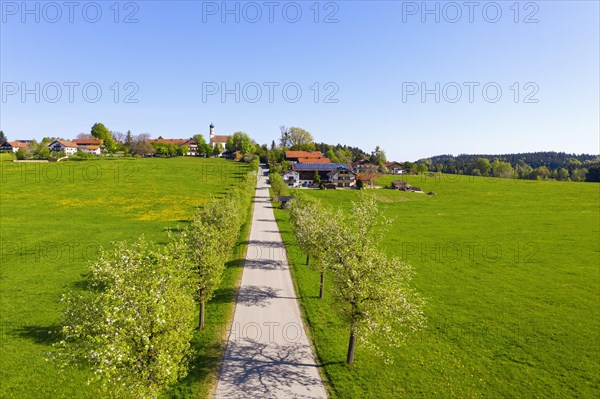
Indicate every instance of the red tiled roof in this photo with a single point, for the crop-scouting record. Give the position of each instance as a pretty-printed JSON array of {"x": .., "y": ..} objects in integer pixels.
[
  {"x": 88, "y": 141},
  {"x": 315, "y": 160},
  {"x": 65, "y": 143},
  {"x": 220, "y": 139},
  {"x": 303, "y": 154},
  {"x": 17, "y": 144},
  {"x": 92, "y": 147}
]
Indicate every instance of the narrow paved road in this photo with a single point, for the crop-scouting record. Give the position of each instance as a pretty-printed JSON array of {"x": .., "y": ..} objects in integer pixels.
[{"x": 268, "y": 354}]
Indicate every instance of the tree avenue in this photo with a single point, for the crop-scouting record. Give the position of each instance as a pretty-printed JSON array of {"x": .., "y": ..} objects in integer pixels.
[{"x": 372, "y": 290}]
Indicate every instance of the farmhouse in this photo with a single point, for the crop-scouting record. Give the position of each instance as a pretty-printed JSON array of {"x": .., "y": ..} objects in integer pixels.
[
  {"x": 336, "y": 174},
  {"x": 68, "y": 147},
  {"x": 307, "y": 157},
  {"x": 395, "y": 168},
  {"x": 13, "y": 146},
  {"x": 292, "y": 178},
  {"x": 364, "y": 166},
  {"x": 91, "y": 149},
  {"x": 89, "y": 146},
  {"x": 214, "y": 139},
  {"x": 342, "y": 177}
]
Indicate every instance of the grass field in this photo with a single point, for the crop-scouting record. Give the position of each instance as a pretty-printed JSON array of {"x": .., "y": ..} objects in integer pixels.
[
  {"x": 511, "y": 273},
  {"x": 54, "y": 217}
]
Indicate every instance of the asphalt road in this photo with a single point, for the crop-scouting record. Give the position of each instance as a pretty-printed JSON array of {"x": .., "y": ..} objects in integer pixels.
[{"x": 268, "y": 354}]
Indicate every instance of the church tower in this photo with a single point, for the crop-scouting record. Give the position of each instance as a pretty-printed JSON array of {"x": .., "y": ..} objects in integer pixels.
[{"x": 212, "y": 131}]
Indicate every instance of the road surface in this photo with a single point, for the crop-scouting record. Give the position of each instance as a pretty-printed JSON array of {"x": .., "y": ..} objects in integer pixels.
[{"x": 268, "y": 354}]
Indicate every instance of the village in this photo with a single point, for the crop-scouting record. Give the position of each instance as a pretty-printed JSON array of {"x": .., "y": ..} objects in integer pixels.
[
  {"x": 298, "y": 168},
  {"x": 87, "y": 144}
]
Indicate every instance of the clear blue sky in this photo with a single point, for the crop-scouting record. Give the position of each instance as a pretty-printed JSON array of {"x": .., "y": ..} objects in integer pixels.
[{"x": 372, "y": 56}]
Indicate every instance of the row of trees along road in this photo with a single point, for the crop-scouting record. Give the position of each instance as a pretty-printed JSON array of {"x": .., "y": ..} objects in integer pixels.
[
  {"x": 371, "y": 289},
  {"x": 134, "y": 324}
]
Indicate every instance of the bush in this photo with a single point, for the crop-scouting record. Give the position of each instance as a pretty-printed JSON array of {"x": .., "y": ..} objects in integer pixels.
[
  {"x": 277, "y": 184},
  {"x": 21, "y": 154},
  {"x": 254, "y": 164},
  {"x": 80, "y": 156}
]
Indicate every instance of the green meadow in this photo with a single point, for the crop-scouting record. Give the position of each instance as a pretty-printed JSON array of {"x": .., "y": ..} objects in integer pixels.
[
  {"x": 55, "y": 216},
  {"x": 511, "y": 273}
]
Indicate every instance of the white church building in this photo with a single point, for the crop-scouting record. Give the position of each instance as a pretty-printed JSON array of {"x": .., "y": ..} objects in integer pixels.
[{"x": 214, "y": 139}]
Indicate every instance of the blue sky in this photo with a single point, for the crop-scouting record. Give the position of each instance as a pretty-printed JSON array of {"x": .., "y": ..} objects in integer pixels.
[{"x": 361, "y": 67}]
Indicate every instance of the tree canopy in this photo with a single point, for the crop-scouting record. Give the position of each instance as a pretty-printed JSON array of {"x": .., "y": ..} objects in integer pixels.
[
  {"x": 240, "y": 141},
  {"x": 133, "y": 326},
  {"x": 378, "y": 156},
  {"x": 312, "y": 224},
  {"x": 141, "y": 145},
  {"x": 296, "y": 138},
  {"x": 100, "y": 131}
]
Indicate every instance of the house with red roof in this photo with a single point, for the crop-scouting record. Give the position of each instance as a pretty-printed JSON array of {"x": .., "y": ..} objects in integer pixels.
[
  {"x": 395, "y": 168},
  {"x": 13, "y": 146},
  {"x": 90, "y": 146},
  {"x": 66, "y": 146},
  {"x": 364, "y": 166},
  {"x": 86, "y": 142},
  {"x": 337, "y": 175}
]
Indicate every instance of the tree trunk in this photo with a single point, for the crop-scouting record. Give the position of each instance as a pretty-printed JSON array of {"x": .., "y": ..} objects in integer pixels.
[
  {"x": 201, "y": 323},
  {"x": 322, "y": 288},
  {"x": 351, "y": 345},
  {"x": 307, "y": 260}
]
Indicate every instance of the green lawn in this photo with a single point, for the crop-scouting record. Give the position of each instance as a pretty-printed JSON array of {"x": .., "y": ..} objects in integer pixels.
[
  {"x": 53, "y": 219},
  {"x": 511, "y": 273},
  {"x": 5, "y": 156}
]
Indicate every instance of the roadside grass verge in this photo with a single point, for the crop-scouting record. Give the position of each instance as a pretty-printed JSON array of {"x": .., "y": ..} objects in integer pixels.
[{"x": 510, "y": 273}]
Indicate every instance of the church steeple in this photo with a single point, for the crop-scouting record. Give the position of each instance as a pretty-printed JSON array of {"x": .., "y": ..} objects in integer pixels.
[{"x": 212, "y": 130}]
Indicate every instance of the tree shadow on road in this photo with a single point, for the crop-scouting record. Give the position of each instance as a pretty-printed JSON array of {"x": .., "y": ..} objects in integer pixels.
[
  {"x": 264, "y": 264},
  {"x": 253, "y": 295},
  {"x": 263, "y": 370}
]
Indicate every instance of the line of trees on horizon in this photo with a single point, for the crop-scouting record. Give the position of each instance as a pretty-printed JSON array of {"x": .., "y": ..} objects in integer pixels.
[{"x": 533, "y": 166}]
